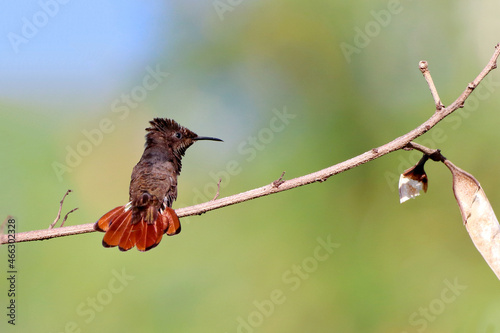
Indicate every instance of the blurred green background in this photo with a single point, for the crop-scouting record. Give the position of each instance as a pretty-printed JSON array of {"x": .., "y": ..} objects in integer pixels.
[{"x": 77, "y": 91}]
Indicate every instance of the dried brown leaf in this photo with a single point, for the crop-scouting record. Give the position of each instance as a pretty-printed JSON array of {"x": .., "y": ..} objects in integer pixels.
[{"x": 478, "y": 216}]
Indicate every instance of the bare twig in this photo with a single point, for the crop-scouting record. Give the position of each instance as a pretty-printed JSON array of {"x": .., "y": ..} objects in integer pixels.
[
  {"x": 280, "y": 180},
  {"x": 434, "y": 154},
  {"x": 318, "y": 176},
  {"x": 60, "y": 209},
  {"x": 218, "y": 190},
  {"x": 66, "y": 216},
  {"x": 427, "y": 75}
]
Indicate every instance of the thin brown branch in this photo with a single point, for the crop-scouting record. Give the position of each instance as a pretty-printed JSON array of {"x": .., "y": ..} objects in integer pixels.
[
  {"x": 433, "y": 154},
  {"x": 280, "y": 180},
  {"x": 52, "y": 225},
  {"x": 318, "y": 176},
  {"x": 218, "y": 190},
  {"x": 66, "y": 216},
  {"x": 427, "y": 75}
]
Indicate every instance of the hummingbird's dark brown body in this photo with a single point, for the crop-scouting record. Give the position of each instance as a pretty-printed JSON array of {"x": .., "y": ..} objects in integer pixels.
[{"x": 153, "y": 188}]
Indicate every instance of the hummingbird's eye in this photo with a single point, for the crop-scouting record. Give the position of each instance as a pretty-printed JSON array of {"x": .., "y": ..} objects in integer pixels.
[{"x": 178, "y": 135}]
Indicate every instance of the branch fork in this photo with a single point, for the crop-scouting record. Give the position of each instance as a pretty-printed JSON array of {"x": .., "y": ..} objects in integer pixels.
[{"x": 52, "y": 225}]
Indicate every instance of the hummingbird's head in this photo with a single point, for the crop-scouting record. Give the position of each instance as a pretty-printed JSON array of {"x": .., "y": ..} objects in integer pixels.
[{"x": 172, "y": 136}]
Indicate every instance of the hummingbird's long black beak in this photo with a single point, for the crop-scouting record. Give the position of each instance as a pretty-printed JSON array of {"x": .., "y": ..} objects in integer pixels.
[{"x": 199, "y": 138}]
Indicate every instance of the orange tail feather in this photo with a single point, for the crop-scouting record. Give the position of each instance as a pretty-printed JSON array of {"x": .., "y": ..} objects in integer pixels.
[
  {"x": 174, "y": 225},
  {"x": 117, "y": 224}
]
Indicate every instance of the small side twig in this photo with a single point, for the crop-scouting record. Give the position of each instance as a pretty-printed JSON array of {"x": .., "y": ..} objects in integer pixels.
[
  {"x": 427, "y": 75},
  {"x": 66, "y": 216},
  {"x": 280, "y": 180},
  {"x": 218, "y": 190},
  {"x": 433, "y": 154},
  {"x": 60, "y": 209}
]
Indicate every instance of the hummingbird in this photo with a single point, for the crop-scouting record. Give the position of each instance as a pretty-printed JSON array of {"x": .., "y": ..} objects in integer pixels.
[{"x": 153, "y": 188}]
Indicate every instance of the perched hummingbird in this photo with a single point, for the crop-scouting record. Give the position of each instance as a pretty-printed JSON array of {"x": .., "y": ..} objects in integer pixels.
[{"x": 153, "y": 188}]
